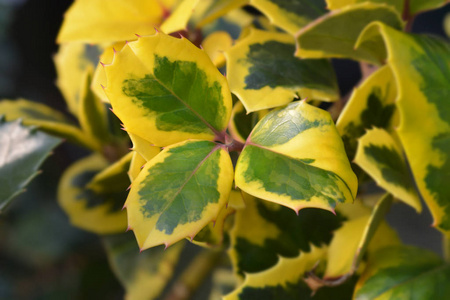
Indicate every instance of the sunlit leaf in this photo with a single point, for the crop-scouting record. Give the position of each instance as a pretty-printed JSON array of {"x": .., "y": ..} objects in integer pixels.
[
  {"x": 166, "y": 90},
  {"x": 179, "y": 192},
  {"x": 95, "y": 210},
  {"x": 295, "y": 157},
  {"x": 215, "y": 45},
  {"x": 335, "y": 34},
  {"x": 290, "y": 15},
  {"x": 265, "y": 231},
  {"x": 404, "y": 272},
  {"x": 143, "y": 275},
  {"x": 421, "y": 67},
  {"x": 264, "y": 73},
  {"x": 22, "y": 151},
  {"x": 47, "y": 119},
  {"x": 380, "y": 156},
  {"x": 179, "y": 18}
]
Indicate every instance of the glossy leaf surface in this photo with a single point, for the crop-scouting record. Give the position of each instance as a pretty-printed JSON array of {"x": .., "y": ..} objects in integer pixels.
[
  {"x": 97, "y": 209},
  {"x": 380, "y": 156},
  {"x": 421, "y": 66},
  {"x": 264, "y": 73},
  {"x": 22, "y": 152},
  {"x": 335, "y": 34},
  {"x": 265, "y": 231},
  {"x": 404, "y": 272},
  {"x": 166, "y": 90},
  {"x": 295, "y": 157},
  {"x": 179, "y": 192},
  {"x": 136, "y": 270}
]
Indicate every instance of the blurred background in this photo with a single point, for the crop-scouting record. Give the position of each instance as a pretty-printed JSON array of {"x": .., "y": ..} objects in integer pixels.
[{"x": 41, "y": 255}]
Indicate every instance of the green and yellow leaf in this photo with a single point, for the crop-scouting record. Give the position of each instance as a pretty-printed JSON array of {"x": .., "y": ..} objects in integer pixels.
[
  {"x": 241, "y": 123},
  {"x": 47, "y": 119},
  {"x": 179, "y": 18},
  {"x": 264, "y": 231},
  {"x": 136, "y": 165},
  {"x": 22, "y": 151},
  {"x": 404, "y": 272},
  {"x": 421, "y": 67},
  {"x": 136, "y": 270},
  {"x": 90, "y": 209},
  {"x": 371, "y": 105},
  {"x": 295, "y": 157},
  {"x": 210, "y": 10},
  {"x": 264, "y": 73},
  {"x": 417, "y": 6},
  {"x": 290, "y": 15},
  {"x": 97, "y": 21},
  {"x": 335, "y": 34},
  {"x": 380, "y": 156},
  {"x": 166, "y": 90},
  {"x": 215, "y": 46},
  {"x": 179, "y": 192},
  {"x": 365, "y": 232},
  {"x": 337, "y": 4}
]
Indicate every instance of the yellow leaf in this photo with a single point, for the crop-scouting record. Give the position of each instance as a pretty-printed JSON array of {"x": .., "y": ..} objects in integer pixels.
[{"x": 215, "y": 45}]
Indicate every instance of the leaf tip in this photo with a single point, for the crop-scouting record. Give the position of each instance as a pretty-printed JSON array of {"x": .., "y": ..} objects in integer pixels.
[
  {"x": 166, "y": 245},
  {"x": 128, "y": 188},
  {"x": 128, "y": 228},
  {"x": 138, "y": 36}
]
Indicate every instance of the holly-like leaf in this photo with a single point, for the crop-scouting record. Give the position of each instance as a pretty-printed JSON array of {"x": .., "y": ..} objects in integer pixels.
[
  {"x": 71, "y": 63},
  {"x": 143, "y": 147},
  {"x": 241, "y": 123},
  {"x": 264, "y": 73},
  {"x": 295, "y": 157},
  {"x": 136, "y": 270},
  {"x": 166, "y": 90},
  {"x": 404, "y": 272},
  {"x": 337, "y": 4},
  {"x": 335, "y": 34},
  {"x": 371, "y": 105},
  {"x": 179, "y": 192},
  {"x": 97, "y": 21},
  {"x": 421, "y": 67},
  {"x": 179, "y": 18},
  {"x": 265, "y": 231},
  {"x": 136, "y": 165},
  {"x": 97, "y": 209},
  {"x": 380, "y": 156},
  {"x": 290, "y": 15},
  {"x": 47, "y": 119},
  {"x": 367, "y": 231},
  {"x": 215, "y": 45},
  {"x": 22, "y": 152}
]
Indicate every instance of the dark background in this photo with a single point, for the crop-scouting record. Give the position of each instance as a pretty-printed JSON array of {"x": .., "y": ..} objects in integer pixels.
[{"x": 41, "y": 255}]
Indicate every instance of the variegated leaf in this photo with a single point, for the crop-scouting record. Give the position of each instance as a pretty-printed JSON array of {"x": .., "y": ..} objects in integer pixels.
[
  {"x": 241, "y": 123},
  {"x": 335, "y": 34},
  {"x": 215, "y": 45},
  {"x": 265, "y": 231},
  {"x": 290, "y": 15},
  {"x": 22, "y": 151},
  {"x": 179, "y": 192},
  {"x": 295, "y": 157},
  {"x": 337, "y": 4},
  {"x": 371, "y": 105},
  {"x": 380, "y": 156},
  {"x": 166, "y": 90},
  {"x": 143, "y": 275},
  {"x": 404, "y": 272},
  {"x": 143, "y": 147},
  {"x": 421, "y": 67},
  {"x": 96, "y": 210},
  {"x": 48, "y": 120},
  {"x": 264, "y": 73}
]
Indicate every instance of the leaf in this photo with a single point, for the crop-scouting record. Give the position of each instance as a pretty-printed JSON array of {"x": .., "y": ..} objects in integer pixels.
[
  {"x": 337, "y": 4},
  {"x": 97, "y": 21},
  {"x": 404, "y": 272},
  {"x": 179, "y": 192},
  {"x": 264, "y": 73},
  {"x": 215, "y": 45},
  {"x": 290, "y": 15},
  {"x": 265, "y": 231},
  {"x": 94, "y": 210},
  {"x": 71, "y": 63},
  {"x": 210, "y": 10},
  {"x": 166, "y": 90},
  {"x": 417, "y": 6},
  {"x": 295, "y": 157},
  {"x": 143, "y": 147},
  {"x": 335, "y": 34},
  {"x": 380, "y": 156},
  {"x": 143, "y": 275},
  {"x": 223, "y": 282},
  {"x": 241, "y": 123},
  {"x": 92, "y": 113},
  {"x": 179, "y": 18},
  {"x": 371, "y": 105},
  {"x": 136, "y": 165},
  {"x": 22, "y": 152},
  {"x": 365, "y": 232},
  {"x": 421, "y": 67},
  {"x": 47, "y": 119}
]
